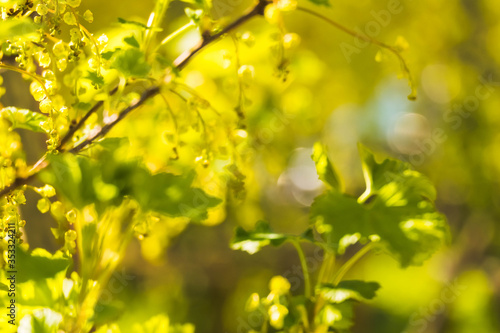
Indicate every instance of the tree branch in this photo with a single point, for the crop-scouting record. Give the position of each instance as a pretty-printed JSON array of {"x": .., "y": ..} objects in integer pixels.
[
  {"x": 150, "y": 92},
  {"x": 180, "y": 62},
  {"x": 184, "y": 58},
  {"x": 72, "y": 130}
]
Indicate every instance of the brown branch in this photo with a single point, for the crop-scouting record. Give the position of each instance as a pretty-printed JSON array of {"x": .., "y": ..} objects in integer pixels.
[
  {"x": 18, "y": 182},
  {"x": 180, "y": 62},
  {"x": 184, "y": 58},
  {"x": 72, "y": 130},
  {"x": 150, "y": 92}
]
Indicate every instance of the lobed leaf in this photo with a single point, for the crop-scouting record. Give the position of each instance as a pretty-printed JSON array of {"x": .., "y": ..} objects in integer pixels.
[
  {"x": 130, "y": 63},
  {"x": 96, "y": 79},
  {"x": 325, "y": 168},
  {"x": 132, "y": 41},
  {"x": 252, "y": 241},
  {"x": 134, "y": 23},
  {"x": 19, "y": 28},
  {"x": 23, "y": 118},
  {"x": 338, "y": 316},
  {"x": 397, "y": 206},
  {"x": 348, "y": 290},
  {"x": 41, "y": 320},
  {"x": 107, "y": 181},
  {"x": 39, "y": 264},
  {"x": 391, "y": 171}
]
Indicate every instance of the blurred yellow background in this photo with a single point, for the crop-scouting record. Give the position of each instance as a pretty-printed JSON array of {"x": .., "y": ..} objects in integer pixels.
[{"x": 339, "y": 91}]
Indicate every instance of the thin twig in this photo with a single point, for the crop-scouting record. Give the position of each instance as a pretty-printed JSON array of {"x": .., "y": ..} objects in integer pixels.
[
  {"x": 72, "y": 130},
  {"x": 106, "y": 128},
  {"x": 373, "y": 41},
  {"x": 180, "y": 62},
  {"x": 184, "y": 58}
]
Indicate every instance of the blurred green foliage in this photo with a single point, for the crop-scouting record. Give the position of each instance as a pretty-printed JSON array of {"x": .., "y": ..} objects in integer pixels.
[{"x": 230, "y": 139}]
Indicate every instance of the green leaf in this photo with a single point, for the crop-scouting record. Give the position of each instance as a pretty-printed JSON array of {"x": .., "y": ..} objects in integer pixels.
[
  {"x": 18, "y": 28},
  {"x": 107, "y": 312},
  {"x": 25, "y": 119},
  {"x": 131, "y": 63},
  {"x": 412, "y": 233},
  {"x": 325, "y": 3},
  {"x": 42, "y": 321},
  {"x": 82, "y": 106},
  {"x": 236, "y": 182},
  {"x": 39, "y": 264},
  {"x": 112, "y": 144},
  {"x": 135, "y": 23},
  {"x": 400, "y": 211},
  {"x": 95, "y": 78},
  {"x": 390, "y": 171},
  {"x": 338, "y": 316},
  {"x": 172, "y": 195},
  {"x": 107, "y": 181},
  {"x": 72, "y": 176},
  {"x": 325, "y": 169},
  {"x": 130, "y": 40},
  {"x": 165, "y": 63},
  {"x": 349, "y": 290},
  {"x": 108, "y": 54},
  {"x": 343, "y": 214},
  {"x": 4, "y": 287},
  {"x": 252, "y": 241},
  {"x": 308, "y": 235},
  {"x": 194, "y": 15}
]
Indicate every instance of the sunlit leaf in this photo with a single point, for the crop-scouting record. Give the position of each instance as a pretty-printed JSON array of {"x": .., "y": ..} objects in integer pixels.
[
  {"x": 349, "y": 290},
  {"x": 18, "y": 28},
  {"x": 107, "y": 181},
  {"x": 23, "y": 118},
  {"x": 391, "y": 171},
  {"x": 39, "y": 264},
  {"x": 42, "y": 320},
  {"x": 397, "y": 206},
  {"x": 326, "y": 170},
  {"x": 252, "y": 241},
  {"x": 95, "y": 78},
  {"x": 4, "y": 287},
  {"x": 131, "y": 63},
  {"x": 134, "y": 23},
  {"x": 338, "y": 316},
  {"x": 132, "y": 41}
]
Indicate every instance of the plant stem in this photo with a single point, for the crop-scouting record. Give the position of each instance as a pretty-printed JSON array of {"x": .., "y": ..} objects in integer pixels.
[
  {"x": 176, "y": 33},
  {"x": 325, "y": 274},
  {"x": 72, "y": 130},
  {"x": 326, "y": 267},
  {"x": 155, "y": 20},
  {"x": 184, "y": 58},
  {"x": 180, "y": 62},
  {"x": 305, "y": 270},
  {"x": 153, "y": 91},
  {"x": 92, "y": 39},
  {"x": 345, "y": 268},
  {"x": 33, "y": 76},
  {"x": 353, "y": 33}
]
